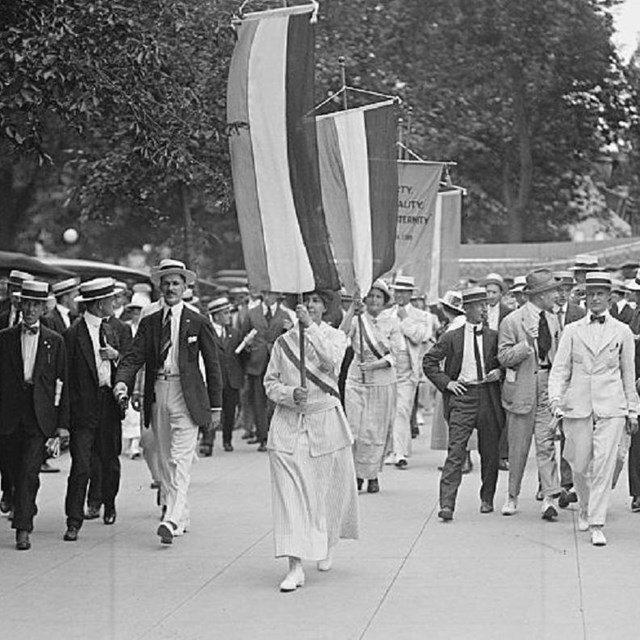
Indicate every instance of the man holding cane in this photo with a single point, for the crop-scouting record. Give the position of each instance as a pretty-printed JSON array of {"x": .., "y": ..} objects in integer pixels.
[
  {"x": 591, "y": 387},
  {"x": 170, "y": 343}
]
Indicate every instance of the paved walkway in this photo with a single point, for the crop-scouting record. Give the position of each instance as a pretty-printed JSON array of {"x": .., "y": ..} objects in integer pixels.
[{"x": 410, "y": 576}]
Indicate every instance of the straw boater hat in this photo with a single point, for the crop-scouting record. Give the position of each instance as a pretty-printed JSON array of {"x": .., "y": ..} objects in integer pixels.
[
  {"x": 495, "y": 278},
  {"x": 585, "y": 262},
  {"x": 474, "y": 294},
  {"x": 634, "y": 285},
  {"x": 16, "y": 278},
  {"x": 96, "y": 289},
  {"x": 452, "y": 301},
  {"x": 169, "y": 267},
  {"x": 382, "y": 286},
  {"x": 218, "y": 304},
  {"x": 404, "y": 283},
  {"x": 64, "y": 287},
  {"x": 518, "y": 285},
  {"x": 564, "y": 278},
  {"x": 598, "y": 279},
  {"x": 34, "y": 290},
  {"x": 188, "y": 296},
  {"x": 617, "y": 286},
  {"x": 540, "y": 281}
]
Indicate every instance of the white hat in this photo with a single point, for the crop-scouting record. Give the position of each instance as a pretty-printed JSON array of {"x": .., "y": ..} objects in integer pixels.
[
  {"x": 34, "y": 290},
  {"x": 218, "y": 304},
  {"x": 169, "y": 267},
  {"x": 96, "y": 289},
  {"x": 404, "y": 283},
  {"x": 494, "y": 278},
  {"x": 519, "y": 283},
  {"x": 188, "y": 296},
  {"x": 585, "y": 262},
  {"x": 452, "y": 300},
  {"x": 139, "y": 299},
  {"x": 65, "y": 286},
  {"x": 598, "y": 279},
  {"x": 16, "y": 278}
]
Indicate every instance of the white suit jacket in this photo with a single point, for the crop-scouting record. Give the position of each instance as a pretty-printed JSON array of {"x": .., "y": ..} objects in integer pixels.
[
  {"x": 598, "y": 379},
  {"x": 418, "y": 331}
]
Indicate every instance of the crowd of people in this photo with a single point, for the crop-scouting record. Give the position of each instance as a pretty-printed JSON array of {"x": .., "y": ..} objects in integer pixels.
[{"x": 330, "y": 386}]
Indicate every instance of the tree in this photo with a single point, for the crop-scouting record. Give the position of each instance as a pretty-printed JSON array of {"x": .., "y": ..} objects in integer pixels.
[{"x": 521, "y": 94}]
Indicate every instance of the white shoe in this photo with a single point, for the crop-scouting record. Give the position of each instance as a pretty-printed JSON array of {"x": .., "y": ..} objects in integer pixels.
[
  {"x": 597, "y": 537},
  {"x": 510, "y": 507},
  {"x": 583, "y": 520},
  {"x": 293, "y": 579},
  {"x": 390, "y": 459},
  {"x": 326, "y": 563}
]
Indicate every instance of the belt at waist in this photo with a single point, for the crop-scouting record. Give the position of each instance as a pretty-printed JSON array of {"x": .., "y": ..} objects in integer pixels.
[{"x": 168, "y": 376}]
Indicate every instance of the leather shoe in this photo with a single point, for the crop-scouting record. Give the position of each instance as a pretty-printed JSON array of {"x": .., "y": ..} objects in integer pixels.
[
  {"x": 109, "y": 516},
  {"x": 359, "y": 482},
  {"x": 445, "y": 514},
  {"x": 598, "y": 538},
  {"x": 5, "y": 504},
  {"x": 166, "y": 532},
  {"x": 263, "y": 446},
  {"x": 71, "y": 534},
  {"x": 503, "y": 465},
  {"x": 293, "y": 579},
  {"x": 402, "y": 463},
  {"x": 253, "y": 440},
  {"x": 486, "y": 507},
  {"x": 635, "y": 504},
  {"x": 45, "y": 467},
  {"x": 206, "y": 450},
  {"x": 227, "y": 446},
  {"x": 566, "y": 498},
  {"x": 92, "y": 513},
  {"x": 549, "y": 511},
  {"x": 373, "y": 486},
  {"x": 247, "y": 435},
  {"x": 22, "y": 540},
  {"x": 510, "y": 507}
]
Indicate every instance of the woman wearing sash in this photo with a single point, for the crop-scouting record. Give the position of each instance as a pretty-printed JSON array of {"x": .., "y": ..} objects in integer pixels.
[
  {"x": 314, "y": 496},
  {"x": 370, "y": 393}
]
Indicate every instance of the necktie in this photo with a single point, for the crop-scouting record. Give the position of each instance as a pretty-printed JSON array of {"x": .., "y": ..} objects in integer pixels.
[
  {"x": 476, "y": 354},
  {"x": 102, "y": 334},
  {"x": 165, "y": 338},
  {"x": 17, "y": 317},
  {"x": 595, "y": 318},
  {"x": 268, "y": 315},
  {"x": 561, "y": 318},
  {"x": 33, "y": 330},
  {"x": 544, "y": 337}
]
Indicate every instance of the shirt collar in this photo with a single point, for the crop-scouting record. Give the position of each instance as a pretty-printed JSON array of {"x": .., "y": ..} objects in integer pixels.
[
  {"x": 176, "y": 309},
  {"x": 91, "y": 320},
  {"x": 472, "y": 327},
  {"x": 606, "y": 314},
  {"x": 217, "y": 327},
  {"x": 63, "y": 310},
  {"x": 35, "y": 324}
]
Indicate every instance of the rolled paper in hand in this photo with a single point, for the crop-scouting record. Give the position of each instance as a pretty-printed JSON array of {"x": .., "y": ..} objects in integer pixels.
[
  {"x": 246, "y": 341},
  {"x": 58, "y": 392}
]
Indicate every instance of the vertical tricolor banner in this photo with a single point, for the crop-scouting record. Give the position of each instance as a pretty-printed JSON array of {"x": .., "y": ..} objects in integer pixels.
[
  {"x": 428, "y": 232},
  {"x": 274, "y": 155},
  {"x": 359, "y": 185}
]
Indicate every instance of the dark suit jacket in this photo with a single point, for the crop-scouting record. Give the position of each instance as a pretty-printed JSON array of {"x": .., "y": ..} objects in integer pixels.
[
  {"x": 450, "y": 348},
  {"x": 231, "y": 369},
  {"x": 50, "y": 365},
  {"x": 196, "y": 338},
  {"x": 268, "y": 332},
  {"x": 574, "y": 312},
  {"x": 83, "y": 376},
  {"x": 53, "y": 320},
  {"x": 624, "y": 316},
  {"x": 4, "y": 318}
]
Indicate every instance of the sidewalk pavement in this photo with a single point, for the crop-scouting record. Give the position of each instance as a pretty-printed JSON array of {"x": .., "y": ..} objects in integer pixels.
[{"x": 410, "y": 575}]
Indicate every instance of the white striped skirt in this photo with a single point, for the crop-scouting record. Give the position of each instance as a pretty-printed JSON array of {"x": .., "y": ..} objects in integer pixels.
[{"x": 314, "y": 500}]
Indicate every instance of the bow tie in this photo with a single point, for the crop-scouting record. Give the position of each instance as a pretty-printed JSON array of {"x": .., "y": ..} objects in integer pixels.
[
  {"x": 595, "y": 318},
  {"x": 33, "y": 330}
]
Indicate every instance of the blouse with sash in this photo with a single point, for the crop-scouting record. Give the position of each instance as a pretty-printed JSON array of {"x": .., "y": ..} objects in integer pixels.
[
  {"x": 321, "y": 417},
  {"x": 382, "y": 338}
]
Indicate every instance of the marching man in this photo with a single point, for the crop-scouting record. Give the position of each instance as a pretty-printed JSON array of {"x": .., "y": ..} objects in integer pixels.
[{"x": 591, "y": 387}]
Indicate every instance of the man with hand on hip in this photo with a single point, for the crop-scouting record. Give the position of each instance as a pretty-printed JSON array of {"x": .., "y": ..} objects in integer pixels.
[
  {"x": 170, "y": 343},
  {"x": 591, "y": 387}
]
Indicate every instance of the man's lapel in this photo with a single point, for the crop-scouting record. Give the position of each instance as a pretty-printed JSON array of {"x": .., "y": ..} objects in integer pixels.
[
  {"x": 15, "y": 353},
  {"x": 86, "y": 348}
]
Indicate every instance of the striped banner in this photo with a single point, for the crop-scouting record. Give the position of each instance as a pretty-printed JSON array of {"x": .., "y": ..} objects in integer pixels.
[
  {"x": 274, "y": 155},
  {"x": 359, "y": 178}
]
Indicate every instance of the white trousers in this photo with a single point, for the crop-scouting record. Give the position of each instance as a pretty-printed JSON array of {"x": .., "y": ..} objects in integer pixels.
[
  {"x": 177, "y": 437},
  {"x": 406, "y": 395},
  {"x": 591, "y": 449}
]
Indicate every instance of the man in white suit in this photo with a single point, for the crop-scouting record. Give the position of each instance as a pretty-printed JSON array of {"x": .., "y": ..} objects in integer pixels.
[
  {"x": 527, "y": 342},
  {"x": 417, "y": 329},
  {"x": 591, "y": 387}
]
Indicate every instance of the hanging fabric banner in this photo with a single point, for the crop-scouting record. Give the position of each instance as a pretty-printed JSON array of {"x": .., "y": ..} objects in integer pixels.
[
  {"x": 359, "y": 186},
  {"x": 428, "y": 232},
  {"x": 274, "y": 154}
]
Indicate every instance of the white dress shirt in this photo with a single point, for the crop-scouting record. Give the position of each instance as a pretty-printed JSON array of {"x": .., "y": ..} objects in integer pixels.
[
  {"x": 493, "y": 316},
  {"x": 171, "y": 365},
  {"x": 468, "y": 371},
  {"x": 103, "y": 367},
  {"x": 218, "y": 328},
  {"x": 64, "y": 314},
  {"x": 29, "y": 344}
]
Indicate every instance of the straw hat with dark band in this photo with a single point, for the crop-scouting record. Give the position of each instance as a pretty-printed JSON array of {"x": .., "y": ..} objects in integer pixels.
[
  {"x": 170, "y": 267},
  {"x": 97, "y": 289},
  {"x": 598, "y": 279},
  {"x": 475, "y": 294},
  {"x": 34, "y": 290}
]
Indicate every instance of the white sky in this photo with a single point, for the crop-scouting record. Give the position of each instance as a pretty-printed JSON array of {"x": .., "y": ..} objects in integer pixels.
[{"x": 627, "y": 21}]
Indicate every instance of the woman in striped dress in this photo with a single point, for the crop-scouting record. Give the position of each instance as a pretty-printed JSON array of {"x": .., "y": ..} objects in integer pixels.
[
  {"x": 370, "y": 392},
  {"x": 314, "y": 496}
]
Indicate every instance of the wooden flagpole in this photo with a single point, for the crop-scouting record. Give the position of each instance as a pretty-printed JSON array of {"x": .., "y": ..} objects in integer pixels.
[{"x": 303, "y": 370}]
